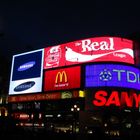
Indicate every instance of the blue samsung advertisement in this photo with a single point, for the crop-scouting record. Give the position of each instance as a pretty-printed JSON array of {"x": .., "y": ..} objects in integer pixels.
[
  {"x": 112, "y": 75},
  {"x": 26, "y": 72}
]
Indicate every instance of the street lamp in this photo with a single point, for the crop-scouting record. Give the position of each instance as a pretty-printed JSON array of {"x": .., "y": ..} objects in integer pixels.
[{"x": 75, "y": 109}]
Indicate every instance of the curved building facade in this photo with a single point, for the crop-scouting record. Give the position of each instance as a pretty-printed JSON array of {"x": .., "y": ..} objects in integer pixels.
[{"x": 92, "y": 84}]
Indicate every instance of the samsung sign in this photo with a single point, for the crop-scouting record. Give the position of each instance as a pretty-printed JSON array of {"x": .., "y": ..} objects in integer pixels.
[
  {"x": 26, "y": 72},
  {"x": 24, "y": 86},
  {"x": 112, "y": 75},
  {"x": 26, "y": 66}
]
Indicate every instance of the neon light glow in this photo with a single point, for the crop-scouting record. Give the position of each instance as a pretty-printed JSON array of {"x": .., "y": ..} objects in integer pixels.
[
  {"x": 97, "y": 49},
  {"x": 62, "y": 79},
  {"x": 27, "y": 72},
  {"x": 103, "y": 98},
  {"x": 112, "y": 75}
]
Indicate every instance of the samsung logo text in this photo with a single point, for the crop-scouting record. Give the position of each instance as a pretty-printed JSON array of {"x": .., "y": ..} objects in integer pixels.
[
  {"x": 26, "y": 66},
  {"x": 24, "y": 86}
]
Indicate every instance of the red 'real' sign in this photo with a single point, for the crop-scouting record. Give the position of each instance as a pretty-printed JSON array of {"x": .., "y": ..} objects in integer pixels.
[
  {"x": 89, "y": 50},
  {"x": 62, "y": 79}
]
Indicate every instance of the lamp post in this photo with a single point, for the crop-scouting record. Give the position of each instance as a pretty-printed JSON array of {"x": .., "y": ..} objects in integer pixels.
[{"x": 75, "y": 109}]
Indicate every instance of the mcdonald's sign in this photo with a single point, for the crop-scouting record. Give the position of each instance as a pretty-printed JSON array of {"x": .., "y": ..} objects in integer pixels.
[
  {"x": 62, "y": 79},
  {"x": 59, "y": 82}
]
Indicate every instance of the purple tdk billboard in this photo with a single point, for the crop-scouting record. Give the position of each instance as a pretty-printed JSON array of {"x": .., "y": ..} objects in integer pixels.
[{"x": 112, "y": 75}]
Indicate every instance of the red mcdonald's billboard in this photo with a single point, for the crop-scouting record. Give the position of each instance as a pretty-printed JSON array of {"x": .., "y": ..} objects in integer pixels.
[{"x": 62, "y": 79}]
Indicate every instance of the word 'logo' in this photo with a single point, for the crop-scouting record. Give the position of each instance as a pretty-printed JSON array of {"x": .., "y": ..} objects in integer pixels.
[
  {"x": 26, "y": 66},
  {"x": 24, "y": 86}
]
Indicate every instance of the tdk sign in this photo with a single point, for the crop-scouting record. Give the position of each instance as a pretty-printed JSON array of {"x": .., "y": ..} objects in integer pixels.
[
  {"x": 26, "y": 66},
  {"x": 24, "y": 86},
  {"x": 112, "y": 75}
]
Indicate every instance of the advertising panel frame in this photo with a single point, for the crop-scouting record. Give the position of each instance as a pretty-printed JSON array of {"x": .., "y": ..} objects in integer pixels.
[
  {"x": 97, "y": 49},
  {"x": 112, "y": 75},
  {"x": 26, "y": 72},
  {"x": 62, "y": 79}
]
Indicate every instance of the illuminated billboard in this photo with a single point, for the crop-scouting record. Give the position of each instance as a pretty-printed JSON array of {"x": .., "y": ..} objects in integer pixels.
[
  {"x": 62, "y": 79},
  {"x": 34, "y": 97},
  {"x": 106, "y": 98},
  {"x": 45, "y": 96},
  {"x": 112, "y": 75},
  {"x": 26, "y": 72},
  {"x": 96, "y": 49}
]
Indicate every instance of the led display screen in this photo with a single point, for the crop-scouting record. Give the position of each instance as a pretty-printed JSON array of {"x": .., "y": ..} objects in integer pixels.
[
  {"x": 26, "y": 72},
  {"x": 34, "y": 97},
  {"x": 99, "y": 98},
  {"x": 45, "y": 96},
  {"x": 112, "y": 75},
  {"x": 27, "y": 66},
  {"x": 97, "y": 49},
  {"x": 62, "y": 79}
]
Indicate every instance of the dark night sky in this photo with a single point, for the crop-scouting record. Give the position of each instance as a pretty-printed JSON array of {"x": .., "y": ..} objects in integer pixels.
[{"x": 27, "y": 25}]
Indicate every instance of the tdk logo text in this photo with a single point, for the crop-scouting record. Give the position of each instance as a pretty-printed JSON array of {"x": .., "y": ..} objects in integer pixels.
[
  {"x": 26, "y": 66},
  {"x": 24, "y": 86}
]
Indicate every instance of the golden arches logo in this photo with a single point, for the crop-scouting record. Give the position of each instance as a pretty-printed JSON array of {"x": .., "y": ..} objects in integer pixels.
[{"x": 61, "y": 75}]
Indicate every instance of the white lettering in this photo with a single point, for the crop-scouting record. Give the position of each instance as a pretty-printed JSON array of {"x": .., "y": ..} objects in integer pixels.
[
  {"x": 61, "y": 85},
  {"x": 119, "y": 55},
  {"x": 119, "y": 73},
  {"x": 87, "y": 45},
  {"x": 131, "y": 77}
]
